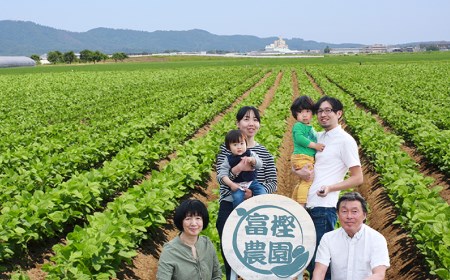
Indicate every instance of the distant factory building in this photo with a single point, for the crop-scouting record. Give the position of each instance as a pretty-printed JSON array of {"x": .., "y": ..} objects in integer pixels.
[
  {"x": 377, "y": 48},
  {"x": 345, "y": 50},
  {"x": 278, "y": 46}
]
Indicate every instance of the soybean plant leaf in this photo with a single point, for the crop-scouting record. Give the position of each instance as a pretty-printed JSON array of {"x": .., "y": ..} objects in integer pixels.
[
  {"x": 130, "y": 208},
  {"x": 127, "y": 255}
]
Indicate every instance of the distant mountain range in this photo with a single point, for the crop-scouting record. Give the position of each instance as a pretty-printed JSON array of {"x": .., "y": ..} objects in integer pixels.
[{"x": 27, "y": 38}]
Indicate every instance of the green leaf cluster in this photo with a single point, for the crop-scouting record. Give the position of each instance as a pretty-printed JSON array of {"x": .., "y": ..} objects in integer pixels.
[
  {"x": 421, "y": 210},
  {"x": 32, "y": 216},
  {"x": 137, "y": 207}
]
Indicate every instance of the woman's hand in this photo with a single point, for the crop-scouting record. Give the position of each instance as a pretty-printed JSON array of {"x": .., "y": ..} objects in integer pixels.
[{"x": 234, "y": 187}]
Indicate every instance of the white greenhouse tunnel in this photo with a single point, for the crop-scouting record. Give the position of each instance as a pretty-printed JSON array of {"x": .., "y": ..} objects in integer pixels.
[{"x": 16, "y": 61}]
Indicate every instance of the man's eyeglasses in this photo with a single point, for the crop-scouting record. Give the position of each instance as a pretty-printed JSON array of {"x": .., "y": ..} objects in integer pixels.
[{"x": 325, "y": 111}]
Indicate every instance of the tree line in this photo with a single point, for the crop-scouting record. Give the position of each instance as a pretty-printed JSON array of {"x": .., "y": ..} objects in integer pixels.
[{"x": 86, "y": 56}]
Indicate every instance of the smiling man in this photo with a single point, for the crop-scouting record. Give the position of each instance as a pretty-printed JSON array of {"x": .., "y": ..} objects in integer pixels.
[
  {"x": 339, "y": 157},
  {"x": 355, "y": 251}
]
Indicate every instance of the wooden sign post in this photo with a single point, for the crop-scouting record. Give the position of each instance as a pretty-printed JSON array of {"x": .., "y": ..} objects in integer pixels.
[{"x": 269, "y": 237}]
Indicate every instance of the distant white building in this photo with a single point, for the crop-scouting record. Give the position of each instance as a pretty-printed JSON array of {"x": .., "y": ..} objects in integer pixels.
[
  {"x": 377, "y": 48},
  {"x": 278, "y": 46},
  {"x": 43, "y": 59},
  {"x": 345, "y": 50}
]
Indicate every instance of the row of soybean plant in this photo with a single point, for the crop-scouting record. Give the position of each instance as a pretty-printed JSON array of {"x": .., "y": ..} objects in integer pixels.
[
  {"x": 271, "y": 134},
  {"x": 32, "y": 217},
  {"x": 66, "y": 124},
  {"x": 402, "y": 102},
  {"x": 421, "y": 210},
  {"x": 420, "y": 87},
  {"x": 112, "y": 236}
]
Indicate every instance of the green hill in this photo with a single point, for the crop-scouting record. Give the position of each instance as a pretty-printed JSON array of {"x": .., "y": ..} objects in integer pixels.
[{"x": 26, "y": 38}]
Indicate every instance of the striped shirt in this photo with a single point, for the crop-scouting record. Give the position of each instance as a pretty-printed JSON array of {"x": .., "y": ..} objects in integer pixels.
[{"x": 266, "y": 175}]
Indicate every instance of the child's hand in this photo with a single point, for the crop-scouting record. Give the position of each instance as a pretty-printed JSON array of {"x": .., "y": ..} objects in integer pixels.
[
  {"x": 318, "y": 147},
  {"x": 249, "y": 161}
]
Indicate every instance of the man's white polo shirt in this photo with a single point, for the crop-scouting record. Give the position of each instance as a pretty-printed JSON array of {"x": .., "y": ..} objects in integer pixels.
[
  {"x": 353, "y": 258},
  {"x": 331, "y": 165}
]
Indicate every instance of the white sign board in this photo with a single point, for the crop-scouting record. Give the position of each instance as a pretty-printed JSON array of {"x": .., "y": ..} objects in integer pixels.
[{"x": 269, "y": 237}]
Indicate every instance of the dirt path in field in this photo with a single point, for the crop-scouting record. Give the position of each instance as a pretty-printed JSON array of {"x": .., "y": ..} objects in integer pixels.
[{"x": 286, "y": 178}]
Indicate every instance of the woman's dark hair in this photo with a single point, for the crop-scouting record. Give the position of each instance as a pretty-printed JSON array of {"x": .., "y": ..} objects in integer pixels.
[
  {"x": 243, "y": 111},
  {"x": 190, "y": 207},
  {"x": 234, "y": 136},
  {"x": 353, "y": 196},
  {"x": 335, "y": 103},
  {"x": 303, "y": 102}
]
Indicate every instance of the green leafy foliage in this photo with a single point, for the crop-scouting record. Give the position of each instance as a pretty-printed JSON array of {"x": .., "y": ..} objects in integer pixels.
[
  {"x": 78, "y": 139},
  {"x": 411, "y": 98},
  {"x": 142, "y": 206},
  {"x": 421, "y": 210},
  {"x": 38, "y": 214}
]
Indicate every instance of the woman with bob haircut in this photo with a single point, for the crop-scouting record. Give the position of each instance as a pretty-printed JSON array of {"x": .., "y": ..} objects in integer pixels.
[{"x": 189, "y": 256}]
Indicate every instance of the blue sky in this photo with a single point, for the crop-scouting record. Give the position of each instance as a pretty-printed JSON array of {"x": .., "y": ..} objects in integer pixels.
[{"x": 331, "y": 21}]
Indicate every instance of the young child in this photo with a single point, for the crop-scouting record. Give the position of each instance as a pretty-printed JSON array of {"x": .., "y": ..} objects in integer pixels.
[
  {"x": 236, "y": 142},
  {"x": 305, "y": 146}
]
